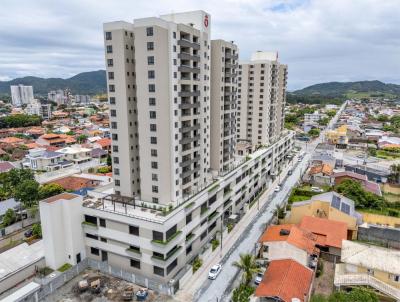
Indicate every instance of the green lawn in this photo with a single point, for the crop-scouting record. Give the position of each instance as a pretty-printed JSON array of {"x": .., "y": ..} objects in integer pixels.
[{"x": 387, "y": 154}]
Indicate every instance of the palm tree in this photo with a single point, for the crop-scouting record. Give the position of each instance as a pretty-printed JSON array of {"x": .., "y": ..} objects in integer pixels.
[{"x": 248, "y": 265}]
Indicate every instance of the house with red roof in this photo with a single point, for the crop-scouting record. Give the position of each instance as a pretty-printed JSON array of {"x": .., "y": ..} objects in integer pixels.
[
  {"x": 330, "y": 233},
  {"x": 289, "y": 241},
  {"x": 285, "y": 280}
]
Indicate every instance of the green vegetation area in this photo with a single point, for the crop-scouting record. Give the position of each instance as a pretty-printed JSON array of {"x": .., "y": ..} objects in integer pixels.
[
  {"x": 304, "y": 193},
  {"x": 358, "y": 294},
  {"x": 197, "y": 263},
  {"x": 20, "y": 120},
  {"x": 248, "y": 267},
  {"x": 295, "y": 98},
  {"x": 64, "y": 267},
  {"x": 367, "y": 201},
  {"x": 21, "y": 185},
  {"x": 388, "y": 153}
]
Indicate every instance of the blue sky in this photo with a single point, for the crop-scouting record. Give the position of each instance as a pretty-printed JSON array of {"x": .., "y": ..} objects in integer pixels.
[{"x": 321, "y": 41}]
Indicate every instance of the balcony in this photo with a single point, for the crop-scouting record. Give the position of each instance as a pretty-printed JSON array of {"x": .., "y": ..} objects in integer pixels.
[
  {"x": 189, "y": 93},
  {"x": 188, "y": 56},
  {"x": 185, "y": 129},
  {"x": 187, "y": 162},
  {"x": 231, "y": 56},
  {"x": 188, "y": 172},
  {"x": 229, "y": 93},
  {"x": 188, "y": 105},
  {"x": 344, "y": 279},
  {"x": 170, "y": 239},
  {"x": 189, "y": 139}
]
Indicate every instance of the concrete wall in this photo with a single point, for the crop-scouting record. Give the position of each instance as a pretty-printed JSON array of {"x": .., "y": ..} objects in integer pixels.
[
  {"x": 388, "y": 237},
  {"x": 381, "y": 220},
  {"x": 19, "y": 276},
  {"x": 282, "y": 250},
  {"x": 382, "y": 276}
]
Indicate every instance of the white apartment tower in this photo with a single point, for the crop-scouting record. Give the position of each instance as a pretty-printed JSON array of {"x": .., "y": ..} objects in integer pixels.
[
  {"x": 21, "y": 94},
  {"x": 261, "y": 99},
  {"x": 224, "y": 56},
  {"x": 158, "y": 75}
]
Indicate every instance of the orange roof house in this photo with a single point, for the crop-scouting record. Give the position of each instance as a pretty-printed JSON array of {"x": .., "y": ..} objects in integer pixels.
[
  {"x": 288, "y": 241},
  {"x": 76, "y": 183},
  {"x": 330, "y": 233},
  {"x": 285, "y": 279},
  {"x": 11, "y": 140},
  {"x": 325, "y": 169}
]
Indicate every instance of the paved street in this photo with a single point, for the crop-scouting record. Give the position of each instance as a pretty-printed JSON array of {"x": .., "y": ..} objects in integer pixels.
[{"x": 251, "y": 229}]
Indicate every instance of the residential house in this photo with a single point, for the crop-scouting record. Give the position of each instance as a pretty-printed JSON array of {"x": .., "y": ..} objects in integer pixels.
[
  {"x": 44, "y": 160},
  {"x": 285, "y": 280},
  {"x": 12, "y": 140},
  {"x": 369, "y": 265},
  {"x": 388, "y": 141},
  {"x": 330, "y": 206},
  {"x": 53, "y": 139},
  {"x": 338, "y": 136},
  {"x": 320, "y": 174},
  {"x": 76, "y": 183},
  {"x": 288, "y": 241},
  {"x": 104, "y": 143},
  {"x": 76, "y": 154},
  {"x": 330, "y": 233},
  {"x": 379, "y": 176},
  {"x": 369, "y": 186}
]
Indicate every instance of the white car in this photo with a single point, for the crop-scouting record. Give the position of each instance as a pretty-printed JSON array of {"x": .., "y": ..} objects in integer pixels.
[
  {"x": 214, "y": 271},
  {"x": 277, "y": 188},
  {"x": 316, "y": 189},
  {"x": 258, "y": 278}
]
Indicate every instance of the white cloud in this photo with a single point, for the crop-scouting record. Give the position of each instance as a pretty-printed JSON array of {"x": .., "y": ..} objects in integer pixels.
[{"x": 328, "y": 40}]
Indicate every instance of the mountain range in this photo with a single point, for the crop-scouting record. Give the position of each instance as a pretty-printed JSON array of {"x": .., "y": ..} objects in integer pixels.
[
  {"x": 92, "y": 82},
  {"x": 350, "y": 89}
]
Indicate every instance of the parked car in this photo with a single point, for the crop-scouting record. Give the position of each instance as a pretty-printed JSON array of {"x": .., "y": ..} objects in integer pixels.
[
  {"x": 316, "y": 189},
  {"x": 277, "y": 188},
  {"x": 214, "y": 271},
  {"x": 28, "y": 233},
  {"x": 258, "y": 278}
]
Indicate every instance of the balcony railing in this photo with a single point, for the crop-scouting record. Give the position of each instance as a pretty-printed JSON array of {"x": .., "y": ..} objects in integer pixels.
[{"x": 343, "y": 279}]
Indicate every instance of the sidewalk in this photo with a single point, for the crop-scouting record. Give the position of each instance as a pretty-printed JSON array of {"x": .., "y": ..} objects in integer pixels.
[{"x": 196, "y": 281}]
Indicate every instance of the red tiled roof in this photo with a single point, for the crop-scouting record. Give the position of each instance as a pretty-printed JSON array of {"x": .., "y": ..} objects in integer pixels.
[
  {"x": 329, "y": 232},
  {"x": 369, "y": 186},
  {"x": 298, "y": 237},
  {"x": 286, "y": 279},
  {"x": 104, "y": 142},
  {"x": 324, "y": 169},
  {"x": 75, "y": 183},
  {"x": 11, "y": 140}
]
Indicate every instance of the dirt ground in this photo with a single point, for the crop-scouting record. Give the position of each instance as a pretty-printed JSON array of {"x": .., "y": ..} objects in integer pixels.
[
  {"x": 324, "y": 284},
  {"x": 111, "y": 290}
]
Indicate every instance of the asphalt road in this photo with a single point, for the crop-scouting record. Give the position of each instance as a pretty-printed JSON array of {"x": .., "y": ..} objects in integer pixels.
[{"x": 219, "y": 290}]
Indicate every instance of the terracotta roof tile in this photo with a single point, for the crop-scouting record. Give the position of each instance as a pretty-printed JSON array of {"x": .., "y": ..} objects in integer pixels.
[
  {"x": 329, "y": 232},
  {"x": 104, "y": 142},
  {"x": 286, "y": 279},
  {"x": 296, "y": 236},
  {"x": 75, "y": 183},
  {"x": 11, "y": 140}
]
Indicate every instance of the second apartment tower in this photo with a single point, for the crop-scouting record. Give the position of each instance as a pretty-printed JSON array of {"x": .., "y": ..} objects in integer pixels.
[{"x": 158, "y": 76}]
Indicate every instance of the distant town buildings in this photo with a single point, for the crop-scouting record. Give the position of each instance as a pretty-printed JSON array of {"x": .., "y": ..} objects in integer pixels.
[
  {"x": 21, "y": 94},
  {"x": 42, "y": 109}
]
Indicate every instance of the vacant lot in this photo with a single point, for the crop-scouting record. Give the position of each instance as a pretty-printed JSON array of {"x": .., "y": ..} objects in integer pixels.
[{"x": 111, "y": 290}]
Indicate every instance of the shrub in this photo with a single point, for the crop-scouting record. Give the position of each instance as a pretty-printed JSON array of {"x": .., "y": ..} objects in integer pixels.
[
  {"x": 197, "y": 263},
  {"x": 320, "y": 269},
  {"x": 37, "y": 230},
  {"x": 214, "y": 244},
  {"x": 64, "y": 267}
]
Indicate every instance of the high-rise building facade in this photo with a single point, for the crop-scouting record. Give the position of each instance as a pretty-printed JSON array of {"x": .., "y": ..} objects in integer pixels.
[
  {"x": 21, "y": 95},
  {"x": 224, "y": 58},
  {"x": 158, "y": 74},
  {"x": 261, "y": 99}
]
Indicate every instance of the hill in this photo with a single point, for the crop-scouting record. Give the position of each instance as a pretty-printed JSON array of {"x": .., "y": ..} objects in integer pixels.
[
  {"x": 351, "y": 89},
  {"x": 92, "y": 82}
]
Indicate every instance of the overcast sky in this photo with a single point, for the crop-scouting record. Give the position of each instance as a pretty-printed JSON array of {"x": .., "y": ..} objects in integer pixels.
[{"x": 321, "y": 41}]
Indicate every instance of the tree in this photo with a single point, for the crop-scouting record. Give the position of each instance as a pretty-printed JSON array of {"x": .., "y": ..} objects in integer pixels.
[
  {"x": 352, "y": 189},
  {"x": 358, "y": 294},
  {"x": 37, "y": 230},
  {"x": 242, "y": 293},
  {"x": 395, "y": 173},
  {"x": 248, "y": 265},
  {"x": 331, "y": 113},
  {"x": 314, "y": 132},
  {"x": 324, "y": 121},
  {"x": 49, "y": 190},
  {"x": 291, "y": 118},
  {"x": 9, "y": 217},
  {"x": 27, "y": 192},
  {"x": 82, "y": 138},
  {"x": 109, "y": 161}
]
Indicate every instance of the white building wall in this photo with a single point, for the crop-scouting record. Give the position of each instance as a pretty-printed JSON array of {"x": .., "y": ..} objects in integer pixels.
[{"x": 282, "y": 250}]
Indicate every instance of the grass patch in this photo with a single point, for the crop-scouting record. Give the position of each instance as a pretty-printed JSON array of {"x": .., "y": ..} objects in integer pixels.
[{"x": 64, "y": 267}]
